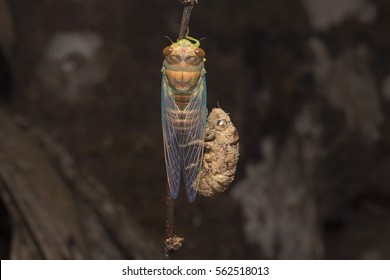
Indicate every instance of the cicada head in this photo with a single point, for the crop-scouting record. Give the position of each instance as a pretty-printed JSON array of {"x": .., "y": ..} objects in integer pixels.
[{"x": 183, "y": 64}]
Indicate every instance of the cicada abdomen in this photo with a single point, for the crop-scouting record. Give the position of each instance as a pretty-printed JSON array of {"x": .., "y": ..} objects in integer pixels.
[{"x": 183, "y": 114}]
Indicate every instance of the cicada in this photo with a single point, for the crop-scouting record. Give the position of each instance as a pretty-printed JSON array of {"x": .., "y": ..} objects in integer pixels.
[{"x": 183, "y": 114}]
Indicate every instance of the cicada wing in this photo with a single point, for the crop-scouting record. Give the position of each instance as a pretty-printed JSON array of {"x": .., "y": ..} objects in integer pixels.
[
  {"x": 171, "y": 139},
  {"x": 192, "y": 141}
]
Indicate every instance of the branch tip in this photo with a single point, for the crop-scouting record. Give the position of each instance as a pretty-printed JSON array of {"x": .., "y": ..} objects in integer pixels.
[{"x": 188, "y": 6}]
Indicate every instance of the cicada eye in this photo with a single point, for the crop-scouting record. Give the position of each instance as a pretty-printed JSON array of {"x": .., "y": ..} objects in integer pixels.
[
  {"x": 167, "y": 51},
  {"x": 221, "y": 124},
  {"x": 200, "y": 53}
]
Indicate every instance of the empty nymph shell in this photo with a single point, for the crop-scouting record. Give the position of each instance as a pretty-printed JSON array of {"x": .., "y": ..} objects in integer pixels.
[{"x": 221, "y": 151}]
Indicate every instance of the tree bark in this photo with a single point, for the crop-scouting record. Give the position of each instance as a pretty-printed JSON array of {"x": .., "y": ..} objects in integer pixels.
[{"x": 56, "y": 211}]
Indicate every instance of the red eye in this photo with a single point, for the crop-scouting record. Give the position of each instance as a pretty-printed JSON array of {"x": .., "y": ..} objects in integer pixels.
[
  {"x": 167, "y": 51},
  {"x": 200, "y": 53}
]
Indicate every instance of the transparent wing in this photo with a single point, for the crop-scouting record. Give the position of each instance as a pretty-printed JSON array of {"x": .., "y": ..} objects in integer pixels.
[
  {"x": 172, "y": 151},
  {"x": 191, "y": 142}
]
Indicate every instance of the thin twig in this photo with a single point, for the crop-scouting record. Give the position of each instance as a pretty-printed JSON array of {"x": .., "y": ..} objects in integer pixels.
[
  {"x": 173, "y": 242},
  {"x": 188, "y": 6},
  {"x": 169, "y": 221}
]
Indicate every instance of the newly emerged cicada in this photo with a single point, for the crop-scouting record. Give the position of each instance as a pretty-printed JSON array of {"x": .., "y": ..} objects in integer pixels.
[{"x": 183, "y": 114}]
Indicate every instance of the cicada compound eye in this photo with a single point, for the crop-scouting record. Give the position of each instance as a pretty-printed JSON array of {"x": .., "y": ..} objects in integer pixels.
[
  {"x": 221, "y": 124},
  {"x": 200, "y": 53},
  {"x": 167, "y": 51}
]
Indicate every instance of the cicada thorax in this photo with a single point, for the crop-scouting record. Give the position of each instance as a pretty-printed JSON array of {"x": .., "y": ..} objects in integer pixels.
[
  {"x": 181, "y": 80},
  {"x": 184, "y": 69}
]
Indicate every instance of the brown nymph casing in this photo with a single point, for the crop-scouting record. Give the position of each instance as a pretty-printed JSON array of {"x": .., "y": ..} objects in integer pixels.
[{"x": 221, "y": 151}]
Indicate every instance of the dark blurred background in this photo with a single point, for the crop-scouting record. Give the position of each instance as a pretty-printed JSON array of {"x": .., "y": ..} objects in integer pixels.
[{"x": 307, "y": 84}]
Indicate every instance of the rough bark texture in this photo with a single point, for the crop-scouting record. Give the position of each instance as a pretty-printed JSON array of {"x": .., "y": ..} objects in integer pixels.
[{"x": 56, "y": 213}]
